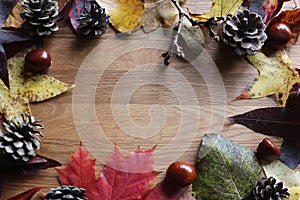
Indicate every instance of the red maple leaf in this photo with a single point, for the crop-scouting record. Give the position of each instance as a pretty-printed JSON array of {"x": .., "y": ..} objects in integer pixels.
[
  {"x": 27, "y": 195},
  {"x": 124, "y": 177}
]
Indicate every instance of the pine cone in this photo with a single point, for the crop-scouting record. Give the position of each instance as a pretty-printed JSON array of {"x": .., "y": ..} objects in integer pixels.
[
  {"x": 19, "y": 139},
  {"x": 38, "y": 16},
  {"x": 66, "y": 193},
  {"x": 268, "y": 189},
  {"x": 93, "y": 22},
  {"x": 244, "y": 32}
]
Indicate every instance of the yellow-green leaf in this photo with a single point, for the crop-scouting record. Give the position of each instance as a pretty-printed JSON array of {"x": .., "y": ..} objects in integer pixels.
[
  {"x": 219, "y": 8},
  {"x": 14, "y": 19},
  {"x": 294, "y": 192},
  {"x": 125, "y": 15},
  {"x": 11, "y": 105},
  {"x": 282, "y": 173},
  {"x": 275, "y": 77},
  {"x": 157, "y": 12},
  {"x": 33, "y": 87}
]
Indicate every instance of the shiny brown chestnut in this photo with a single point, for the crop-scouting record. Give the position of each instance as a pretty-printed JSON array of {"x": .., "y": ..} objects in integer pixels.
[
  {"x": 37, "y": 60},
  {"x": 267, "y": 150}
]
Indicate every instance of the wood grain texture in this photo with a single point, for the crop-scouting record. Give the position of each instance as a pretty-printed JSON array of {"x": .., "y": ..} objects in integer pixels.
[{"x": 178, "y": 113}]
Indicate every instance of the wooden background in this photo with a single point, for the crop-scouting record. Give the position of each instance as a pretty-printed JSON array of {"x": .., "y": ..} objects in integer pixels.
[{"x": 61, "y": 136}]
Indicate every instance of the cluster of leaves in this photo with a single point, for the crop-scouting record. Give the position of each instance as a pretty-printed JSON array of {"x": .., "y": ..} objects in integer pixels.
[{"x": 123, "y": 177}]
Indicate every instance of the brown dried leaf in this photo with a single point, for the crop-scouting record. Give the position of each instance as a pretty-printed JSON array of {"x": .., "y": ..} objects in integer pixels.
[
  {"x": 14, "y": 19},
  {"x": 157, "y": 12}
]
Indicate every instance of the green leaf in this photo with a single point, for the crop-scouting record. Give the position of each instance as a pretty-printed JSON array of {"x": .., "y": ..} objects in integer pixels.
[{"x": 225, "y": 170}]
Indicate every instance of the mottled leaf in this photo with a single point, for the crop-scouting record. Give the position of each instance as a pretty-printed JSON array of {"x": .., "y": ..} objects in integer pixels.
[
  {"x": 33, "y": 87},
  {"x": 35, "y": 165},
  {"x": 14, "y": 19},
  {"x": 292, "y": 19},
  {"x": 282, "y": 173},
  {"x": 219, "y": 8},
  {"x": 125, "y": 15},
  {"x": 157, "y": 12},
  {"x": 275, "y": 77},
  {"x": 294, "y": 192},
  {"x": 225, "y": 170},
  {"x": 281, "y": 122},
  {"x": 27, "y": 195}
]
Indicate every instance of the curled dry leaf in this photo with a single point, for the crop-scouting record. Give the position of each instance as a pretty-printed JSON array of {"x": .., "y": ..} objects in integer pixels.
[
  {"x": 14, "y": 19},
  {"x": 219, "y": 8},
  {"x": 125, "y": 15},
  {"x": 225, "y": 170},
  {"x": 157, "y": 12},
  {"x": 275, "y": 77},
  {"x": 292, "y": 19}
]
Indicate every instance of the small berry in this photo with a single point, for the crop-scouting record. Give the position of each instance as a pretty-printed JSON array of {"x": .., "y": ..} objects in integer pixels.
[
  {"x": 279, "y": 35},
  {"x": 179, "y": 175},
  {"x": 37, "y": 60},
  {"x": 267, "y": 151}
]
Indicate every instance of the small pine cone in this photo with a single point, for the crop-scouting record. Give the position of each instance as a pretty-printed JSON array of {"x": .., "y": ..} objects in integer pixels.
[
  {"x": 38, "y": 16},
  {"x": 268, "y": 189},
  {"x": 244, "y": 32},
  {"x": 66, "y": 193},
  {"x": 93, "y": 22},
  {"x": 19, "y": 139}
]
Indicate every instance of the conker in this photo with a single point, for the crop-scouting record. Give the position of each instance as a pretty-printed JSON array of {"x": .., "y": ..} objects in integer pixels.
[
  {"x": 279, "y": 35},
  {"x": 268, "y": 151},
  {"x": 37, "y": 60},
  {"x": 179, "y": 175}
]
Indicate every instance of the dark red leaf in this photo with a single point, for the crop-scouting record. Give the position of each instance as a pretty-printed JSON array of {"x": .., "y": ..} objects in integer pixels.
[
  {"x": 38, "y": 163},
  {"x": 27, "y": 195},
  {"x": 266, "y": 8},
  {"x": 281, "y": 122},
  {"x": 72, "y": 10},
  {"x": 80, "y": 172},
  {"x": 6, "y": 7}
]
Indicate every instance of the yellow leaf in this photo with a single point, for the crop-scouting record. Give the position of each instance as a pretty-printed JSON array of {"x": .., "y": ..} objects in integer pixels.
[
  {"x": 125, "y": 15},
  {"x": 294, "y": 192},
  {"x": 275, "y": 77},
  {"x": 282, "y": 173},
  {"x": 14, "y": 19},
  {"x": 34, "y": 87},
  {"x": 219, "y": 8},
  {"x": 11, "y": 105},
  {"x": 157, "y": 12}
]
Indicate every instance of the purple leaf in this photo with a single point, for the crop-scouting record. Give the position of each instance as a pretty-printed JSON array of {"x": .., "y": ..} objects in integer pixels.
[
  {"x": 38, "y": 163},
  {"x": 72, "y": 10},
  {"x": 6, "y": 7},
  {"x": 281, "y": 122},
  {"x": 266, "y": 9},
  {"x": 5, "y": 38}
]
